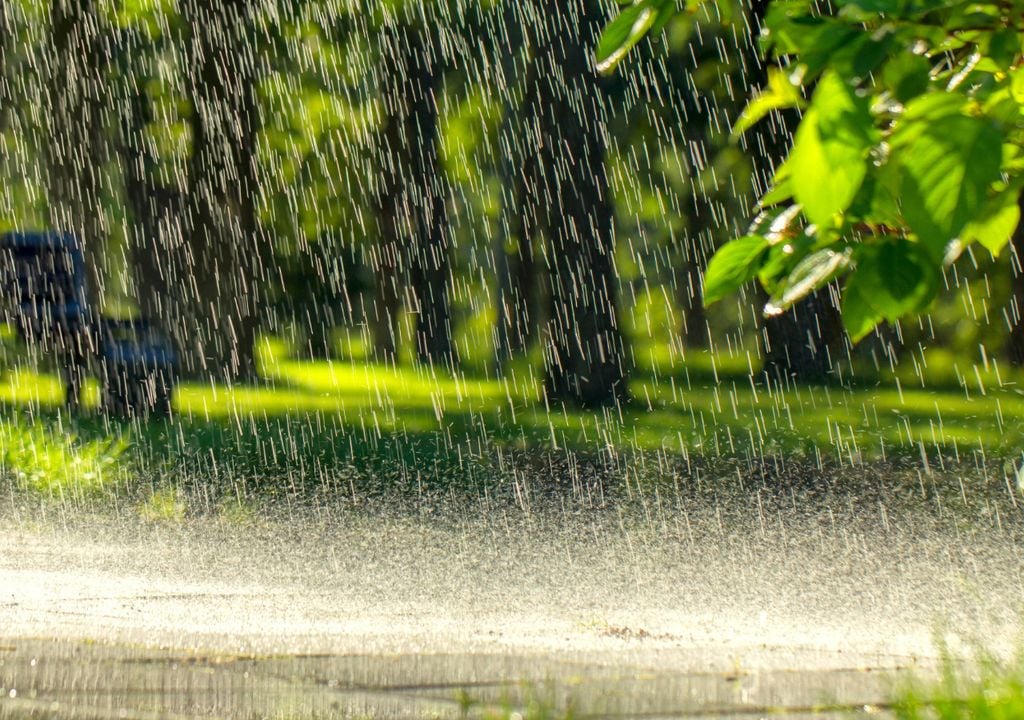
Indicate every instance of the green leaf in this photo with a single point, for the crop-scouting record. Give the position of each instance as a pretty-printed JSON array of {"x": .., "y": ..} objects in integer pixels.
[
  {"x": 781, "y": 93},
  {"x": 907, "y": 76},
  {"x": 898, "y": 277},
  {"x": 667, "y": 10},
  {"x": 734, "y": 264},
  {"x": 623, "y": 32},
  {"x": 947, "y": 167},
  {"x": 812, "y": 38},
  {"x": 810, "y": 274},
  {"x": 777, "y": 224},
  {"x": 1017, "y": 84},
  {"x": 1005, "y": 46},
  {"x": 775, "y": 267},
  {"x": 996, "y": 225},
  {"x": 933, "y": 106},
  {"x": 859, "y": 317},
  {"x": 830, "y": 152},
  {"x": 781, "y": 190}
]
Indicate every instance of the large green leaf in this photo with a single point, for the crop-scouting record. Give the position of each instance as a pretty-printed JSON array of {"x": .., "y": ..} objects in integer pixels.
[
  {"x": 907, "y": 76},
  {"x": 830, "y": 152},
  {"x": 898, "y": 277},
  {"x": 948, "y": 164},
  {"x": 810, "y": 274},
  {"x": 623, "y": 32},
  {"x": 780, "y": 93},
  {"x": 734, "y": 264},
  {"x": 859, "y": 317},
  {"x": 996, "y": 225}
]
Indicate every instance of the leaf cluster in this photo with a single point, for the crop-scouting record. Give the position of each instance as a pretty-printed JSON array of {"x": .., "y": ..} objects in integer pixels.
[{"x": 908, "y": 151}]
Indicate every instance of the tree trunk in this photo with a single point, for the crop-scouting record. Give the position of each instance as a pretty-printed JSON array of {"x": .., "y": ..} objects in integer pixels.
[
  {"x": 517, "y": 297},
  {"x": 584, "y": 358},
  {"x": 800, "y": 343},
  {"x": 1015, "y": 343},
  {"x": 694, "y": 328},
  {"x": 517, "y": 301},
  {"x": 413, "y": 202},
  {"x": 388, "y": 264},
  {"x": 222, "y": 253},
  {"x": 6, "y": 97},
  {"x": 430, "y": 270},
  {"x": 690, "y": 280},
  {"x": 77, "y": 147},
  {"x": 150, "y": 204}
]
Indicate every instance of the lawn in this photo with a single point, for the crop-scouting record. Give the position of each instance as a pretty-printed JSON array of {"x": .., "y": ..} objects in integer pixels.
[{"x": 313, "y": 417}]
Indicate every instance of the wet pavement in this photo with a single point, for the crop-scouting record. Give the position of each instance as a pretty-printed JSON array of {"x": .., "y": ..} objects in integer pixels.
[{"x": 100, "y": 680}]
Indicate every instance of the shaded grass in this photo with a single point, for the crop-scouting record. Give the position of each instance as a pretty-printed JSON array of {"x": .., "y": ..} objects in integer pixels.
[{"x": 322, "y": 422}]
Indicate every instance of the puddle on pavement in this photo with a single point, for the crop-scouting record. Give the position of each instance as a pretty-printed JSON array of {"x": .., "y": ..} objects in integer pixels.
[{"x": 46, "y": 679}]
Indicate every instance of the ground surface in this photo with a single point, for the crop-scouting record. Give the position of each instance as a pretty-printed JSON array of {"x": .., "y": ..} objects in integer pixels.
[{"x": 741, "y": 602}]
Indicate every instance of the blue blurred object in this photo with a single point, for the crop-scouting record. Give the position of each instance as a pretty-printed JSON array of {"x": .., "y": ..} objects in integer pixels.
[
  {"x": 43, "y": 281},
  {"x": 43, "y": 275},
  {"x": 138, "y": 368}
]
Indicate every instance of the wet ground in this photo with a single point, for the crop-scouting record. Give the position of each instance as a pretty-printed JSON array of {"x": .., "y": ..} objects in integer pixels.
[
  {"x": 715, "y": 604},
  {"x": 53, "y": 679}
]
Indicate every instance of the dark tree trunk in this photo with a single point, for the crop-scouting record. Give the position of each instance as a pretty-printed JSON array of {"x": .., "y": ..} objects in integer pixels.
[
  {"x": 223, "y": 253},
  {"x": 77, "y": 148},
  {"x": 430, "y": 268},
  {"x": 150, "y": 204},
  {"x": 584, "y": 358},
  {"x": 694, "y": 328},
  {"x": 6, "y": 97},
  {"x": 517, "y": 300},
  {"x": 801, "y": 343},
  {"x": 413, "y": 204},
  {"x": 689, "y": 281},
  {"x": 319, "y": 323},
  {"x": 517, "y": 297},
  {"x": 388, "y": 265},
  {"x": 1015, "y": 344}
]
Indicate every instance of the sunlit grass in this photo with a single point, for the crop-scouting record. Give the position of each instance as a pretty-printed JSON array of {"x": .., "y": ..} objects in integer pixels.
[
  {"x": 991, "y": 690},
  {"x": 56, "y": 463},
  {"x": 164, "y": 504},
  {"x": 324, "y": 414}
]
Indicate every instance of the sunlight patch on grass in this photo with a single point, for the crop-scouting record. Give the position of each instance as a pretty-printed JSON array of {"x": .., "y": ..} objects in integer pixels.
[
  {"x": 678, "y": 414},
  {"x": 22, "y": 386},
  {"x": 57, "y": 463}
]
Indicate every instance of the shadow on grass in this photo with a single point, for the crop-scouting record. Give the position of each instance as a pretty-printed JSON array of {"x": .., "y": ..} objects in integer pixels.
[{"x": 333, "y": 424}]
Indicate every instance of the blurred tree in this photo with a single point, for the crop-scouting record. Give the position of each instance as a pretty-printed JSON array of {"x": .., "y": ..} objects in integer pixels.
[
  {"x": 803, "y": 341},
  {"x": 150, "y": 203},
  {"x": 77, "y": 146},
  {"x": 1015, "y": 346},
  {"x": 414, "y": 232},
  {"x": 517, "y": 298},
  {"x": 6, "y": 96},
  {"x": 222, "y": 259},
  {"x": 565, "y": 143},
  {"x": 318, "y": 144}
]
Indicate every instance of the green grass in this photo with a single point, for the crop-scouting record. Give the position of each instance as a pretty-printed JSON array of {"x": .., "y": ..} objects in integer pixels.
[
  {"x": 313, "y": 418},
  {"x": 992, "y": 690},
  {"x": 56, "y": 463}
]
